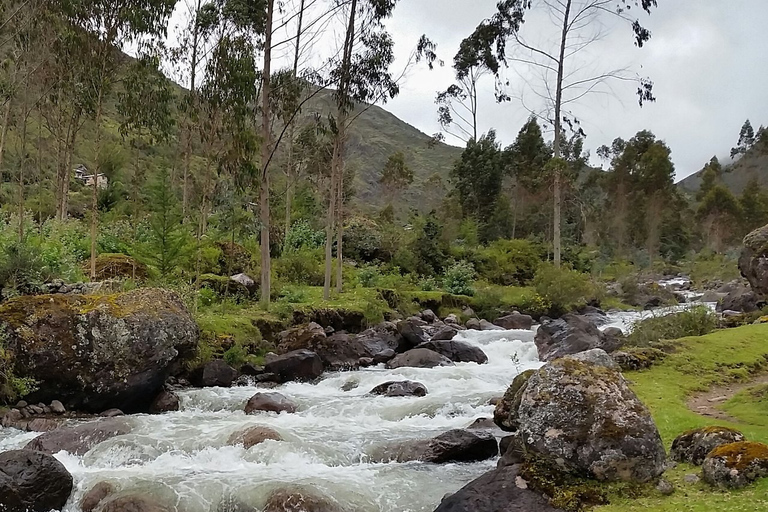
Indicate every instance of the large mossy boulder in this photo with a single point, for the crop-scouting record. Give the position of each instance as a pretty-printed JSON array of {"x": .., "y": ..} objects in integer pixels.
[
  {"x": 32, "y": 482},
  {"x": 753, "y": 261},
  {"x": 98, "y": 352},
  {"x": 585, "y": 419}
]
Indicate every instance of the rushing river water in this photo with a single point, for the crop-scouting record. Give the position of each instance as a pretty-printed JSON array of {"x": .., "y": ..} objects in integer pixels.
[{"x": 183, "y": 457}]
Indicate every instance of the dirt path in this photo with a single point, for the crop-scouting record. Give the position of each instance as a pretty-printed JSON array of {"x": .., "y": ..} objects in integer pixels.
[{"x": 707, "y": 403}]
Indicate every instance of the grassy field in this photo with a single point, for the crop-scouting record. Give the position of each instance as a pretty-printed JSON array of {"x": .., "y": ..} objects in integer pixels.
[{"x": 696, "y": 365}]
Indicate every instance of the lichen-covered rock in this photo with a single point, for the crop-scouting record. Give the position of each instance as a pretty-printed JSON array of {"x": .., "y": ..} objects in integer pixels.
[
  {"x": 419, "y": 358},
  {"x": 736, "y": 465},
  {"x": 300, "y": 499},
  {"x": 457, "y": 351},
  {"x": 32, "y": 482},
  {"x": 694, "y": 445},
  {"x": 596, "y": 356},
  {"x": 458, "y": 445},
  {"x": 634, "y": 359},
  {"x": 98, "y": 352},
  {"x": 505, "y": 414},
  {"x": 80, "y": 439},
  {"x": 753, "y": 261},
  {"x": 254, "y": 435},
  {"x": 400, "y": 388},
  {"x": 569, "y": 335},
  {"x": 584, "y": 418},
  {"x": 501, "y": 490},
  {"x": 301, "y": 337}
]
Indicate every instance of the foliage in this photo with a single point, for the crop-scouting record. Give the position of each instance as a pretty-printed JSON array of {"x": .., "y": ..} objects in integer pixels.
[
  {"x": 509, "y": 262},
  {"x": 303, "y": 236},
  {"x": 566, "y": 289},
  {"x": 695, "y": 321},
  {"x": 458, "y": 278},
  {"x": 300, "y": 267},
  {"x": 362, "y": 240}
]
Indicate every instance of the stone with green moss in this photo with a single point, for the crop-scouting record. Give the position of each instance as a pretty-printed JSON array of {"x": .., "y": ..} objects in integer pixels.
[
  {"x": 692, "y": 446},
  {"x": 736, "y": 465}
]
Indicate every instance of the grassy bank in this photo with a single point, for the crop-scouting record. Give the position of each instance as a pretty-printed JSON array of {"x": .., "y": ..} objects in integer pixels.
[{"x": 698, "y": 363}]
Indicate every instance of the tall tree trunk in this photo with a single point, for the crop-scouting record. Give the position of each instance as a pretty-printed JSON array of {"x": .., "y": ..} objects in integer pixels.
[
  {"x": 340, "y": 221},
  {"x": 291, "y": 174},
  {"x": 4, "y": 130},
  {"x": 266, "y": 148},
  {"x": 95, "y": 188},
  {"x": 187, "y": 121},
  {"x": 330, "y": 227},
  {"x": 556, "y": 236},
  {"x": 22, "y": 165}
]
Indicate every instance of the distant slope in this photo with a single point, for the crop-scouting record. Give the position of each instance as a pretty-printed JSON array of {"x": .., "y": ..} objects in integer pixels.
[{"x": 754, "y": 164}]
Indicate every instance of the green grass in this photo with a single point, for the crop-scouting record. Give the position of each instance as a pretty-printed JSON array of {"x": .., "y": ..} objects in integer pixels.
[
  {"x": 750, "y": 405},
  {"x": 696, "y": 365}
]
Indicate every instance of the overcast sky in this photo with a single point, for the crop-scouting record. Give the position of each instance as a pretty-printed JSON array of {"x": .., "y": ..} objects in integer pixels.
[{"x": 708, "y": 59}]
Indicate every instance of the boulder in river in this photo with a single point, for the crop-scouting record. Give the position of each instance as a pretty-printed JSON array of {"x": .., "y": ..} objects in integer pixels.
[
  {"x": 505, "y": 413},
  {"x": 98, "y": 352},
  {"x": 270, "y": 402},
  {"x": 305, "y": 336},
  {"x": 299, "y": 365},
  {"x": 300, "y": 499},
  {"x": 500, "y": 490},
  {"x": 515, "y": 321},
  {"x": 570, "y": 334},
  {"x": 411, "y": 331},
  {"x": 694, "y": 445},
  {"x": 445, "y": 333},
  {"x": 457, "y": 351},
  {"x": 585, "y": 418},
  {"x": 80, "y": 439},
  {"x": 458, "y": 445},
  {"x": 32, "y": 481},
  {"x": 94, "y": 497},
  {"x": 166, "y": 401},
  {"x": 400, "y": 388},
  {"x": 133, "y": 503},
  {"x": 217, "y": 373},
  {"x": 735, "y": 465},
  {"x": 343, "y": 351},
  {"x": 419, "y": 358},
  {"x": 254, "y": 435}
]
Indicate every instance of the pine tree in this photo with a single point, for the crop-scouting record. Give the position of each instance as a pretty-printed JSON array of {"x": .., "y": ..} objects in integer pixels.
[
  {"x": 710, "y": 176},
  {"x": 746, "y": 140}
]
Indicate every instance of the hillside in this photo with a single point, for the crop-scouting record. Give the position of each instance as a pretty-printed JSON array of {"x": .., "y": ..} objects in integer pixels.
[{"x": 754, "y": 164}]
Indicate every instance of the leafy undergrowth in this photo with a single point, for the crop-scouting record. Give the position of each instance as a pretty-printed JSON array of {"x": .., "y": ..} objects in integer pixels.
[{"x": 697, "y": 364}]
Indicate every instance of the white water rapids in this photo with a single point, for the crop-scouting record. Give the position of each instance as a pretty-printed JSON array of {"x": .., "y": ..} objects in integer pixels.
[{"x": 183, "y": 458}]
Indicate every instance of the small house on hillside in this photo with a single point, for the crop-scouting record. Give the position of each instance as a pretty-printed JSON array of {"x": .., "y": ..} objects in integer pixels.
[{"x": 83, "y": 176}]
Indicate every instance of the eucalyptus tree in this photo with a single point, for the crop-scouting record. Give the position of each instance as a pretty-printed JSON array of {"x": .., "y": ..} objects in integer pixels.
[
  {"x": 562, "y": 66},
  {"x": 110, "y": 25}
]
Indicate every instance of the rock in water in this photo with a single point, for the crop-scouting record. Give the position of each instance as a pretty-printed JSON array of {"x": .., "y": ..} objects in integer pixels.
[
  {"x": 457, "y": 351},
  {"x": 166, "y": 401},
  {"x": 505, "y": 414},
  {"x": 585, "y": 418},
  {"x": 299, "y": 499},
  {"x": 32, "y": 482},
  {"x": 98, "y": 352},
  {"x": 400, "y": 388},
  {"x": 253, "y": 436},
  {"x": 218, "y": 373},
  {"x": 411, "y": 332},
  {"x": 96, "y": 495},
  {"x": 515, "y": 321},
  {"x": 458, "y": 445},
  {"x": 80, "y": 439},
  {"x": 568, "y": 335},
  {"x": 419, "y": 358},
  {"x": 133, "y": 503},
  {"x": 271, "y": 402},
  {"x": 736, "y": 465},
  {"x": 301, "y": 337},
  {"x": 299, "y": 365},
  {"x": 694, "y": 445},
  {"x": 501, "y": 490}
]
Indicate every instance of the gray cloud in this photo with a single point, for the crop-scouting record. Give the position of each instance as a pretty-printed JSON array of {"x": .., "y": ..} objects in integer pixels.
[{"x": 707, "y": 60}]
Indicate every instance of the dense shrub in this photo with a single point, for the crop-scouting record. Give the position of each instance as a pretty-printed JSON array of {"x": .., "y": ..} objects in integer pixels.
[
  {"x": 566, "y": 289},
  {"x": 362, "y": 240},
  {"x": 303, "y": 236},
  {"x": 458, "y": 278},
  {"x": 301, "y": 267},
  {"x": 695, "y": 321},
  {"x": 509, "y": 262}
]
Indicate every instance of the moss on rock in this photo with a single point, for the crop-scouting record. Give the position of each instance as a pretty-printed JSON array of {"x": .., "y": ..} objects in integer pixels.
[{"x": 736, "y": 465}]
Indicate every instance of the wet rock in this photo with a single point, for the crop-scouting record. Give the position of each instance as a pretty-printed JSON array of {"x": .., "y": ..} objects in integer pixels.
[
  {"x": 512, "y": 451},
  {"x": 735, "y": 465},
  {"x": 112, "y": 413},
  {"x": 592, "y": 314},
  {"x": 166, "y": 401},
  {"x": 445, "y": 333},
  {"x": 596, "y": 356},
  {"x": 665, "y": 487},
  {"x": 428, "y": 316},
  {"x": 217, "y": 373},
  {"x": 133, "y": 503},
  {"x": 459, "y": 445},
  {"x": 254, "y": 435},
  {"x": 569, "y": 335},
  {"x": 505, "y": 413},
  {"x": 302, "y": 337},
  {"x": 33, "y": 482},
  {"x": 482, "y": 424},
  {"x": 400, "y": 388},
  {"x": 251, "y": 370},
  {"x": 474, "y": 324},
  {"x": 411, "y": 331},
  {"x": 344, "y": 352},
  {"x": 43, "y": 424},
  {"x": 500, "y": 490},
  {"x": 350, "y": 385},
  {"x": 457, "y": 351},
  {"x": 300, "y": 499},
  {"x": 742, "y": 300},
  {"x": 694, "y": 445},
  {"x": 384, "y": 356},
  {"x": 585, "y": 418},
  {"x": 485, "y": 325},
  {"x": 12, "y": 419},
  {"x": 80, "y": 439},
  {"x": 97, "y": 352},
  {"x": 515, "y": 321},
  {"x": 57, "y": 407},
  {"x": 299, "y": 365},
  {"x": 96, "y": 495},
  {"x": 419, "y": 358},
  {"x": 270, "y": 402}
]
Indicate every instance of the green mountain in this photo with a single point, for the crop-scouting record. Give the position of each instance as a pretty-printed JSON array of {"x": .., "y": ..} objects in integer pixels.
[{"x": 753, "y": 164}]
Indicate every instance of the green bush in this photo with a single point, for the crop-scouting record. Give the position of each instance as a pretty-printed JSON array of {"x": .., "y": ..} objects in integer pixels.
[
  {"x": 695, "y": 321},
  {"x": 458, "y": 279},
  {"x": 303, "y": 236},
  {"x": 509, "y": 262},
  {"x": 362, "y": 240},
  {"x": 566, "y": 289}
]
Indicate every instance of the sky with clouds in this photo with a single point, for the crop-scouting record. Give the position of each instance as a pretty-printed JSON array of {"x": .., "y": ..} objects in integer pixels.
[{"x": 707, "y": 59}]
